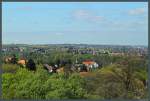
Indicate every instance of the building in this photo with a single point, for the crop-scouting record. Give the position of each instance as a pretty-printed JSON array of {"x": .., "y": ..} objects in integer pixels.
[
  {"x": 22, "y": 62},
  {"x": 90, "y": 64}
]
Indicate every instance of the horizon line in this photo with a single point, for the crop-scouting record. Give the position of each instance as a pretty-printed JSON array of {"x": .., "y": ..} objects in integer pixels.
[{"x": 70, "y": 44}]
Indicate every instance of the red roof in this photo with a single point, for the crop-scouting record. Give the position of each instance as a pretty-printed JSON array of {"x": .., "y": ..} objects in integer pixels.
[{"x": 88, "y": 62}]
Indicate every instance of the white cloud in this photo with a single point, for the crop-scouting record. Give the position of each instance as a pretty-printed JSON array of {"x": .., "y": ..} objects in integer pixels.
[
  {"x": 81, "y": 14},
  {"x": 137, "y": 11},
  {"x": 86, "y": 15}
]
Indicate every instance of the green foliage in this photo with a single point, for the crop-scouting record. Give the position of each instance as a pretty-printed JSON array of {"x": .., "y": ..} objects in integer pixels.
[
  {"x": 41, "y": 85},
  {"x": 62, "y": 88},
  {"x": 14, "y": 59},
  {"x": 125, "y": 78},
  {"x": 8, "y": 88},
  {"x": 118, "y": 81},
  {"x": 9, "y": 68},
  {"x": 31, "y": 65}
]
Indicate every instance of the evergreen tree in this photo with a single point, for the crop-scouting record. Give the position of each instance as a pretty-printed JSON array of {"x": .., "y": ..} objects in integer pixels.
[{"x": 31, "y": 65}]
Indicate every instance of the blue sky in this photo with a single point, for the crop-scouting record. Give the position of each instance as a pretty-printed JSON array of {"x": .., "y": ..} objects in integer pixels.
[{"x": 75, "y": 22}]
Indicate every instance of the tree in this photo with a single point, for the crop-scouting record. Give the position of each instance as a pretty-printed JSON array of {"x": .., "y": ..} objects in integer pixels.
[
  {"x": 119, "y": 80},
  {"x": 62, "y": 88},
  {"x": 67, "y": 67},
  {"x": 31, "y": 65},
  {"x": 14, "y": 59},
  {"x": 26, "y": 84},
  {"x": 58, "y": 62}
]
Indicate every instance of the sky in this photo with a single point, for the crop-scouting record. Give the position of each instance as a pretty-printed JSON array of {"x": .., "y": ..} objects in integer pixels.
[{"x": 113, "y": 23}]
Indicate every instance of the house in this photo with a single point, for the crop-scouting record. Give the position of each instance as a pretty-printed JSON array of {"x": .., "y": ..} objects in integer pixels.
[
  {"x": 90, "y": 64},
  {"x": 60, "y": 70},
  {"x": 22, "y": 62},
  {"x": 8, "y": 60}
]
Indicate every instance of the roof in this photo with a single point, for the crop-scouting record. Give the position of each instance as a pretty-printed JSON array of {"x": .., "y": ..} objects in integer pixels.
[
  {"x": 60, "y": 70},
  {"x": 23, "y": 62},
  {"x": 88, "y": 62}
]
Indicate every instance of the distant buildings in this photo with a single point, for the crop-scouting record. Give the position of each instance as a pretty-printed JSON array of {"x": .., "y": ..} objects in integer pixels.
[
  {"x": 117, "y": 54},
  {"x": 79, "y": 49}
]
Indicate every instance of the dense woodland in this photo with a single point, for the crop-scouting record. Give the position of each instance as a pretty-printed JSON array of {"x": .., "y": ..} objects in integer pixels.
[{"x": 117, "y": 77}]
